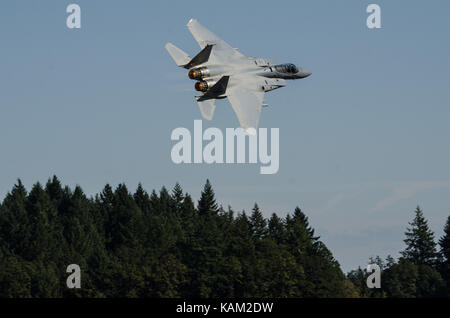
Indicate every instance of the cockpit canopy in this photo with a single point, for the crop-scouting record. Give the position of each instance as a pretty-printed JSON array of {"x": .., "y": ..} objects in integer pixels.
[{"x": 286, "y": 68}]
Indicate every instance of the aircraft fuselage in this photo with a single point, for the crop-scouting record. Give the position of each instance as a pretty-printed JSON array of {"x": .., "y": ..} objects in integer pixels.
[{"x": 207, "y": 75}]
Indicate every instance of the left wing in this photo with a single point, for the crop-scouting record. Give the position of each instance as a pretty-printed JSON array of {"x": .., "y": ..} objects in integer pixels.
[
  {"x": 247, "y": 103},
  {"x": 222, "y": 51}
]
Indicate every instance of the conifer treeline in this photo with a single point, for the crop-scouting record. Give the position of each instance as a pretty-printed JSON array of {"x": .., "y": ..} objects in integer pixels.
[
  {"x": 156, "y": 245},
  {"x": 163, "y": 245}
]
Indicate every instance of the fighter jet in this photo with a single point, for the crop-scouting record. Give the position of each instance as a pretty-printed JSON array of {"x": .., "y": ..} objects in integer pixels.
[{"x": 221, "y": 71}]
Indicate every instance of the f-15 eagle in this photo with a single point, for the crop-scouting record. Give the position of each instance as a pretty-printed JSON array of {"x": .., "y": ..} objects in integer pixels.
[{"x": 221, "y": 71}]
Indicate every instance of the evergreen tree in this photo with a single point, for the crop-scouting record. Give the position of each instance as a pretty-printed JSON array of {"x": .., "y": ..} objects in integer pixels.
[
  {"x": 44, "y": 227},
  {"x": 300, "y": 217},
  {"x": 389, "y": 261},
  {"x": 400, "y": 280},
  {"x": 358, "y": 278},
  {"x": 54, "y": 191},
  {"x": 408, "y": 280},
  {"x": 429, "y": 283},
  {"x": 207, "y": 205},
  {"x": 242, "y": 247},
  {"x": 166, "y": 202},
  {"x": 207, "y": 245},
  {"x": 188, "y": 217},
  {"x": 15, "y": 280},
  {"x": 444, "y": 242},
  {"x": 420, "y": 244},
  {"x": 142, "y": 200},
  {"x": 258, "y": 225},
  {"x": 323, "y": 276},
  {"x": 14, "y": 221},
  {"x": 178, "y": 198},
  {"x": 277, "y": 230},
  {"x": 125, "y": 225}
]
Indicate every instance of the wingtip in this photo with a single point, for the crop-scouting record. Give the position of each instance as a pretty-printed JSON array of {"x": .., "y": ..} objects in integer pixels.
[{"x": 192, "y": 20}]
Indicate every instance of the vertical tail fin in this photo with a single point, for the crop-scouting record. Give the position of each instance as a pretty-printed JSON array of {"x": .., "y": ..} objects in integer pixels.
[
  {"x": 180, "y": 57},
  {"x": 207, "y": 108}
]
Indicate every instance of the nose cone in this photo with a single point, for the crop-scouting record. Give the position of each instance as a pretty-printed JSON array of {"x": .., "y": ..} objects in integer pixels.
[{"x": 304, "y": 73}]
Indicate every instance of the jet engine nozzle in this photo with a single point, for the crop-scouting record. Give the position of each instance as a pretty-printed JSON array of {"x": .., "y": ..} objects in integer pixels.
[
  {"x": 198, "y": 73},
  {"x": 194, "y": 74},
  {"x": 201, "y": 86}
]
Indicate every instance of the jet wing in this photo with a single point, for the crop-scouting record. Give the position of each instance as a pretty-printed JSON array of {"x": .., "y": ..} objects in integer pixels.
[
  {"x": 247, "y": 103},
  {"x": 222, "y": 52}
]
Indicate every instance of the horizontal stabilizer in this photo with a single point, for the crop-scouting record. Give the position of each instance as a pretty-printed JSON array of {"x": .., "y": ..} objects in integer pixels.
[{"x": 179, "y": 56}]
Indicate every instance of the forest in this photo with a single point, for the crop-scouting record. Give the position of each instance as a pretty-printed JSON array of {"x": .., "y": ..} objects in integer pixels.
[{"x": 163, "y": 245}]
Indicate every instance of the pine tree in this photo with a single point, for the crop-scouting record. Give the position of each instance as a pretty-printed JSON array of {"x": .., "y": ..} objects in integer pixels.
[
  {"x": 125, "y": 224},
  {"x": 54, "y": 191},
  {"x": 166, "y": 203},
  {"x": 187, "y": 208},
  {"x": 258, "y": 225},
  {"x": 276, "y": 229},
  {"x": 188, "y": 218},
  {"x": 142, "y": 199},
  {"x": 178, "y": 197},
  {"x": 300, "y": 217},
  {"x": 400, "y": 280},
  {"x": 242, "y": 247},
  {"x": 105, "y": 202},
  {"x": 420, "y": 244},
  {"x": 207, "y": 205},
  {"x": 155, "y": 204},
  {"x": 44, "y": 225},
  {"x": 389, "y": 261},
  {"x": 299, "y": 233},
  {"x": 444, "y": 242},
  {"x": 14, "y": 220},
  {"x": 323, "y": 276}
]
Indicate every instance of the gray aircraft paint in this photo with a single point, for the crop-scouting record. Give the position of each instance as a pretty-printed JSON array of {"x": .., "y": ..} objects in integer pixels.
[{"x": 249, "y": 77}]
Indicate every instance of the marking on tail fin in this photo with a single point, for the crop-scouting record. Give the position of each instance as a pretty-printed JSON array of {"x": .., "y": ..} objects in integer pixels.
[{"x": 200, "y": 58}]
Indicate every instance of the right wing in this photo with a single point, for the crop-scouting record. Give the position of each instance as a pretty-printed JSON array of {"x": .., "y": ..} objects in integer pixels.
[
  {"x": 247, "y": 104},
  {"x": 222, "y": 51}
]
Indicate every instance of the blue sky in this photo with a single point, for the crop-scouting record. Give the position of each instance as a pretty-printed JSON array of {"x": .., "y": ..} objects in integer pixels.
[{"x": 362, "y": 141}]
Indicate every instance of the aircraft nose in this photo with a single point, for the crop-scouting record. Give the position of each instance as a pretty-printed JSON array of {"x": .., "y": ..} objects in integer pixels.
[{"x": 305, "y": 73}]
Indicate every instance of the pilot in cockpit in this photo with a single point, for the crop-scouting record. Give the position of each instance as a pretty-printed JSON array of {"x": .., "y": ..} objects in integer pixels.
[{"x": 286, "y": 68}]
